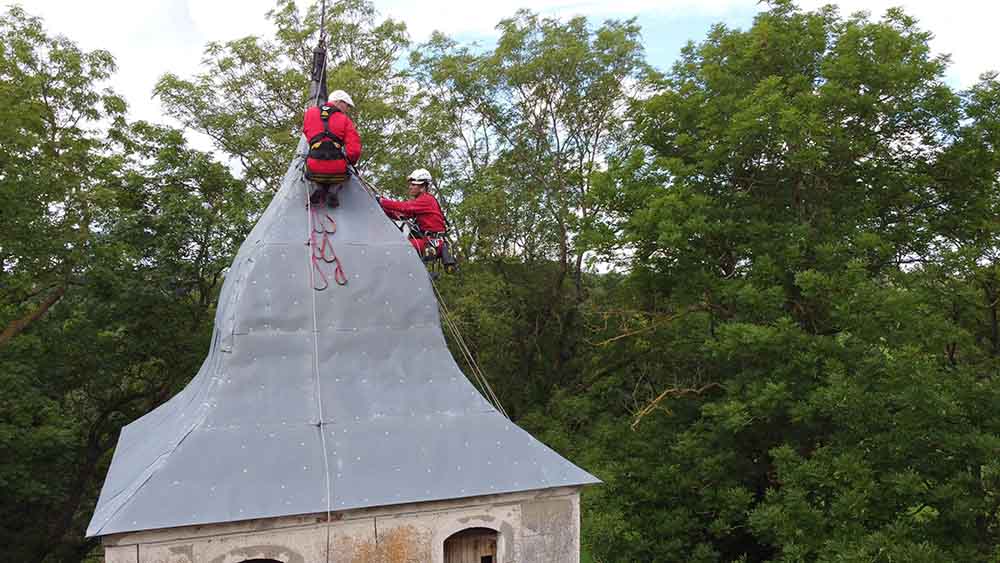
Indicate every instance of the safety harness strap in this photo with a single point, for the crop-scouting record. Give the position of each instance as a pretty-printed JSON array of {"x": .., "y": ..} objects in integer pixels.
[{"x": 326, "y": 145}]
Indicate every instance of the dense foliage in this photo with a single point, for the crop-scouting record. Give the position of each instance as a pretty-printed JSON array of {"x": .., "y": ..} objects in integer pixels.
[{"x": 791, "y": 354}]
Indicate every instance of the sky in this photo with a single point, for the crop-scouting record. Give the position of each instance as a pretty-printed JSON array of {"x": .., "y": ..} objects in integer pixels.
[{"x": 151, "y": 37}]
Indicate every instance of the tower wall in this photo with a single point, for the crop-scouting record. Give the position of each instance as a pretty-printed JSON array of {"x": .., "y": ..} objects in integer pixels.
[{"x": 532, "y": 527}]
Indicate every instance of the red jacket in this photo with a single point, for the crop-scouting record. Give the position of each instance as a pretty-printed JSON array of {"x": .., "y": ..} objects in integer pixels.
[
  {"x": 424, "y": 208},
  {"x": 341, "y": 126}
]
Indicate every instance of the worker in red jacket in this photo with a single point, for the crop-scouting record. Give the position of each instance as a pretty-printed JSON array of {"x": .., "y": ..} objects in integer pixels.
[
  {"x": 428, "y": 229},
  {"x": 333, "y": 143}
]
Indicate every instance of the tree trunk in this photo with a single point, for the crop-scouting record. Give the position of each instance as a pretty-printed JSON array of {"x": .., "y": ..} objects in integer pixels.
[{"x": 17, "y": 326}]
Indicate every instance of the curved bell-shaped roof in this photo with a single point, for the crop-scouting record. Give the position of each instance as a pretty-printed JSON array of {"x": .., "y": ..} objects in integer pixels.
[{"x": 314, "y": 401}]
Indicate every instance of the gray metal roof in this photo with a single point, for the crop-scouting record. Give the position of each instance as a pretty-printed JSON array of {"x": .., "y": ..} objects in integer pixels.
[{"x": 312, "y": 401}]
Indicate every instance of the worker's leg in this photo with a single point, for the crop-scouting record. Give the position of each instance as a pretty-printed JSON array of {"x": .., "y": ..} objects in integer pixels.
[
  {"x": 319, "y": 194},
  {"x": 331, "y": 195}
]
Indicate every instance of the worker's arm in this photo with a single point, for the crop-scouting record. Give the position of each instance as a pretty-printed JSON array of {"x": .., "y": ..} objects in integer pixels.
[
  {"x": 352, "y": 142},
  {"x": 409, "y": 208},
  {"x": 387, "y": 207},
  {"x": 305, "y": 120}
]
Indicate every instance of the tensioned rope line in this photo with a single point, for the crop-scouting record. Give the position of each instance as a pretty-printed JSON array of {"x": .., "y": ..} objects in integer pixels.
[
  {"x": 368, "y": 186},
  {"x": 477, "y": 371},
  {"x": 452, "y": 325},
  {"x": 321, "y": 49}
]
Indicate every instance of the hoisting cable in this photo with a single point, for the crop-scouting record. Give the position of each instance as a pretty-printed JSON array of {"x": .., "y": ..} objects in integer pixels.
[{"x": 319, "y": 61}]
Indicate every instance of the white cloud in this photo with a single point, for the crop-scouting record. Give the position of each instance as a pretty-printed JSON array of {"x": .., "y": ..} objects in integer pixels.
[
  {"x": 964, "y": 28},
  {"x": 150, "y": 37},
  {"x": 481, "y": 18},
  {"x": 224, "y": 20}
]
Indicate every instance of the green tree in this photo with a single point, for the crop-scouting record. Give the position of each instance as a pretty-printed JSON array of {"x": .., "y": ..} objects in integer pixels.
[
  {"x": 51, "y": 159},
  {"x": 114, "y": 240},
  {"x": 517, "y": 133},
  {"x": 803, "y": 334}
]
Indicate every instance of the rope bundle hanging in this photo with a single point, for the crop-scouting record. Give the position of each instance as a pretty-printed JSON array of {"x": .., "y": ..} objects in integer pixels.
[{"x": 322, "y": 226}]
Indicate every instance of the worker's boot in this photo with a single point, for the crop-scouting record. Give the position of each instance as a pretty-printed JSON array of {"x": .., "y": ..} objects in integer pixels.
[{"x": 318, "y": 195}]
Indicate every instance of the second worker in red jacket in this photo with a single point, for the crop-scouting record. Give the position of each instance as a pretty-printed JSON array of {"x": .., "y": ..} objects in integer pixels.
[
  {"x": 423, "y": 209},
  {"x": 333, "y": 143}
]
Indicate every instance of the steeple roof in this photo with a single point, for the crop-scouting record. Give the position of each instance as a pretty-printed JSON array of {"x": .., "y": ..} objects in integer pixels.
[{"x": 314, "y": 401}]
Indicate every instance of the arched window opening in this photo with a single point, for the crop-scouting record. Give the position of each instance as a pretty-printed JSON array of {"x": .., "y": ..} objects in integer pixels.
[
  {"x": 261, "y": 561},
  {"x": 472, "y": 545}
]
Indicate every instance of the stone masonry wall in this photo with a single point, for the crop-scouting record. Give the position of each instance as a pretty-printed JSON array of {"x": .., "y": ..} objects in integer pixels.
[{"x": 534, "y": 527}]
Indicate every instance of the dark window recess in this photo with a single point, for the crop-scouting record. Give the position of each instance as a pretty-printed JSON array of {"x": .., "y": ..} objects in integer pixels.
[{"x": 486, "y": 559}]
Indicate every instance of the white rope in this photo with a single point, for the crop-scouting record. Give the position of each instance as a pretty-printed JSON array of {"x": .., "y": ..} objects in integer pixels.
[
  {"x": 319, "y": 390},
  {"x": 477, "y": 372}
]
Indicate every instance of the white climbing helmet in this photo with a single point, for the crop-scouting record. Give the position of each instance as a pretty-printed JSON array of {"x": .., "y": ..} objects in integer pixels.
[
  {"x": 420, "y": 175},
  {"x": 341, "y": 96}
]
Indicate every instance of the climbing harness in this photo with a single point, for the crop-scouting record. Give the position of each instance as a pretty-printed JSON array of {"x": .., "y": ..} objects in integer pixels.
[
  {"x": 325, "y": 145},
  {"x": 435, "y": 245}
]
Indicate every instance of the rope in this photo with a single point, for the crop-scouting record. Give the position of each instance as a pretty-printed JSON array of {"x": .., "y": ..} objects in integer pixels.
[
  {"x": 463, "y": 346},
  {"x": 315, "y": 330},
  {"x": 322, "y": 22},
  {"x": 327, "y": 227},
  {"x": 372, "y": 190},
  {"x": 477, "y": 371},
  {"x": 321, "y": 226}
]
